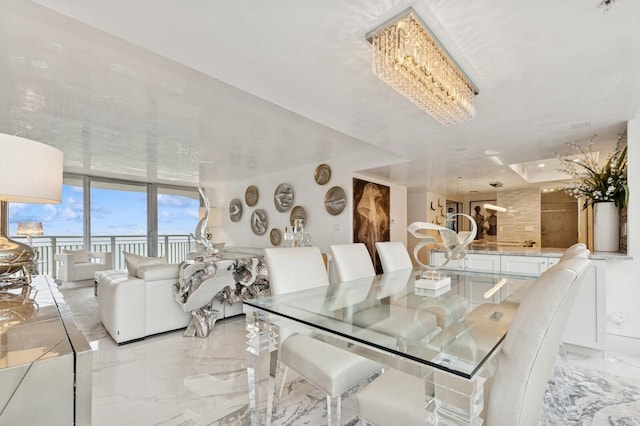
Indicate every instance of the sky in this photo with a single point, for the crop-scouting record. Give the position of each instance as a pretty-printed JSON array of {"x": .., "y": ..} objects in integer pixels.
[{"x": 113, "y": 212}]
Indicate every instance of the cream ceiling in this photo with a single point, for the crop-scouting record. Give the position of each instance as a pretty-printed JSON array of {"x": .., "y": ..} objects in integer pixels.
[{"x": 168, "y": 91}]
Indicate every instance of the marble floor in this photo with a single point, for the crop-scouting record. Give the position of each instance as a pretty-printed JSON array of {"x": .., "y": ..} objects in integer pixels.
[{"x": 172, "y": 380}]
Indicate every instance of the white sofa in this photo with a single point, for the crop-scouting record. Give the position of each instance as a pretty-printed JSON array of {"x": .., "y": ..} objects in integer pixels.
[
  {"x": 131, "y": 308},
  {"x": 78, "y": 267}
]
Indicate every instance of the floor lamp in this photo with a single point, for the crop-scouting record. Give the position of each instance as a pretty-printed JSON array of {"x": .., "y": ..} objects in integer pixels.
[{"x": 30, "y": 172}]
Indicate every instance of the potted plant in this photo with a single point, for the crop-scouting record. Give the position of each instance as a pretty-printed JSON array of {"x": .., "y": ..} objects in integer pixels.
[{"x": 605, "y": 187}]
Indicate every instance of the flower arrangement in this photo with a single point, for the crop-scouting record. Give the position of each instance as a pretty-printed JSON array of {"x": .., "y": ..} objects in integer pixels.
[{"x": 596, "y": 183}]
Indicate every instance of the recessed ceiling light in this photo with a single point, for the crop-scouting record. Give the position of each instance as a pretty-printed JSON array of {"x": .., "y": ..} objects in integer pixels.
[
  {"x": 462, "y": 149},
  {"x": 541, "y": 165}
]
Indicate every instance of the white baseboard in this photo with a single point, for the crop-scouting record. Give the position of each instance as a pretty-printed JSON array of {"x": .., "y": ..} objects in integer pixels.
[
  {"x": 77, "y": 284},
  {"x": 623, "y": 345}
]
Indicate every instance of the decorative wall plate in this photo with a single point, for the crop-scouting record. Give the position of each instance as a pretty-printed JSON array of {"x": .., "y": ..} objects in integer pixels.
[
  {"x": 440, "y": 203},
  {"x": 283, "y": 197},
  {"x": 322, "y": 174},
  {"x": 335, "y": 200},
  {"x": 259, "y": 221},
  {"x": 275, "y": 236},
  {"x": 432, "y": 208},
  {"x": 251, "y": 196},
  {"x": 235, "y": 210},
  {"x": 298, "y": 213}
]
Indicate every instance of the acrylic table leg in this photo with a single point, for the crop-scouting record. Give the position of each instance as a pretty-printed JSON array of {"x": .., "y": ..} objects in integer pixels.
[
  {"x": 458, "y": 401},
  {"x": 261, "y": 342}
]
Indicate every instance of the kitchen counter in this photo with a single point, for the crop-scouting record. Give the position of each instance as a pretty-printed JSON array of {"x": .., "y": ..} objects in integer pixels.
[{"x": 535, "y": 251}]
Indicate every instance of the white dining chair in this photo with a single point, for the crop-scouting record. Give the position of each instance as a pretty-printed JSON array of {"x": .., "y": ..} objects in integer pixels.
[
  {"x": 352, "y": 261},
  {"x": 332, "y": 369},
  {"x": 526, "y": 358},
  {"x": 393, "y": 256},
  {"x": 576, "y": 250}
]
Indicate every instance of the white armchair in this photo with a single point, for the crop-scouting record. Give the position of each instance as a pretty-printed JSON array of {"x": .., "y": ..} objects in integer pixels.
[{"x": 78, "y": 267}]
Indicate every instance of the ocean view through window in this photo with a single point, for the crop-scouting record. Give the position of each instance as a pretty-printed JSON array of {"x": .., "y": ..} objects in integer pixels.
[{"x": 147, "y": 219}]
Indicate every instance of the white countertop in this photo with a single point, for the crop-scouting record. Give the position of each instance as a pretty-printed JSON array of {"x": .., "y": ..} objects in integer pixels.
[{"x": 536, "y": 251}]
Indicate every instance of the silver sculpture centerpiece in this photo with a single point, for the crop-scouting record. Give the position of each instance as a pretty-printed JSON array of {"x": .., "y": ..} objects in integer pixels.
[
  {"x": 205, "y": 283},
  {"x": 455, "y": 244},
  {"x": 200, "y": 236},
  {"x": 193, "y": 274}
]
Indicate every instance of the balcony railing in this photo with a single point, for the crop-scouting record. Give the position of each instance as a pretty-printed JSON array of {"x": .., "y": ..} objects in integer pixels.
[{"x": 173, "y": 247}]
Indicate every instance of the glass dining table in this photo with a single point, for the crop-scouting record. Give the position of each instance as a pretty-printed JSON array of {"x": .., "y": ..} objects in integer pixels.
[{"x": 448, "y": 336}]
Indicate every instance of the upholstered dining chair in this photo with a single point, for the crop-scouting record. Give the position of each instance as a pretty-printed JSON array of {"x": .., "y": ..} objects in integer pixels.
[
  {"x": 352, "y": 261},
  {"x": 331, "y": 369},
  {"x": 393, "y": 256},
  {"x": 524, "y": 362},
  {"x": 576, "y": 250}
]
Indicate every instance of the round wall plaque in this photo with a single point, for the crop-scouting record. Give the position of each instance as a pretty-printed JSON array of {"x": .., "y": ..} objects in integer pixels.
[
  {"x": 322, "y": 174},
  {"x": 251, "y": 196},
  {"x": 259, "y": 221},
  {"x": 335, "y": 200},
  {"x": 283, "y": 197},
  {"x": 275, "y": 236},
  {"x": 298, "y": 213},
  {"x": 235, "y": 210}
]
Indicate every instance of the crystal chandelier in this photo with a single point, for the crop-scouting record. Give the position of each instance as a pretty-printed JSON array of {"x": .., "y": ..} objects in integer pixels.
[{"x": 408, "y": 57}]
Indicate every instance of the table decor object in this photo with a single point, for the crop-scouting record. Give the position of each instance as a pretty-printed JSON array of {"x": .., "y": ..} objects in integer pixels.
[{"x": 454, "y": 243}]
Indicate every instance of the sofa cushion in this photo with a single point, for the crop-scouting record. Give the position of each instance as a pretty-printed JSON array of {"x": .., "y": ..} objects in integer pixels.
[
  {"x": 158, "y": 272},
  {"x": 79, "y": 256},
  {"x": 134, "y": 261}
]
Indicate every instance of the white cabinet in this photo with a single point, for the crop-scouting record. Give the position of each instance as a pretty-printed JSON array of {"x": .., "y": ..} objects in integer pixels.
[
  {"x": 587, "y": 322},
  {"x": 472, "y": 262},
  {"x": 482, "y": 262},
  {"x": 586, "y": 326},
  {"x": 438, "y": 258},
  {"x": 523, "y": 265}
]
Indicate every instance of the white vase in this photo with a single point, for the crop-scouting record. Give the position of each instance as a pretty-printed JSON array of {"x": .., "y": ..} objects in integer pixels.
[{"x": 606, "y": 217}]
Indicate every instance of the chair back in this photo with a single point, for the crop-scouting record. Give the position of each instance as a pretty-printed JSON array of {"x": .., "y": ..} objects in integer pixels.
[
  {"x": 295, "y": 268},
  {"x": 531, "y": 346},
  {"x": 576, "y": 250},
  {"x": 393, "y": 256},
  {"x": 352, "y": 261}
]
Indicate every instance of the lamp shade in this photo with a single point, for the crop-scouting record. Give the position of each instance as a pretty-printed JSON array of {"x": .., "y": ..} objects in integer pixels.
[
  {"x": 30, "y": 229},
  {"x": 30, "y": 172}
]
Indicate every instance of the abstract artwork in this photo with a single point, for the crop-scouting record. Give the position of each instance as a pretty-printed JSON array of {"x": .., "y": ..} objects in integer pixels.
[{"x": 371, "y": 216}]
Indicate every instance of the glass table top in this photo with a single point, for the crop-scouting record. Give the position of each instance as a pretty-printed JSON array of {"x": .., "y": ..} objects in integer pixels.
[{"x": 454, "y": 328}]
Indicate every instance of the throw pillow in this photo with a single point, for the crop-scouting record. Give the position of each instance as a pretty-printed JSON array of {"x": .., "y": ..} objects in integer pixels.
[
  {"x": 79, "y": 256},
  {"x": 134, "y": 261}
]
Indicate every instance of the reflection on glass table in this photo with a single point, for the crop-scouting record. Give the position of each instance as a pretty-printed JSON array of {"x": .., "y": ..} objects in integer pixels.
[{"x": 445, "y": 336}]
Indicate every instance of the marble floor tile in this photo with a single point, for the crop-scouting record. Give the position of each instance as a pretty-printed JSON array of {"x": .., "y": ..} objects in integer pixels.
[{"x": 176, "y": 381}]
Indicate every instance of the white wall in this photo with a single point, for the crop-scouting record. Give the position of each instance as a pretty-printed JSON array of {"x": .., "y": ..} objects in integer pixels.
[
  {"x": 325, "y": 229},
  {"x": 623, "y": 276}
]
